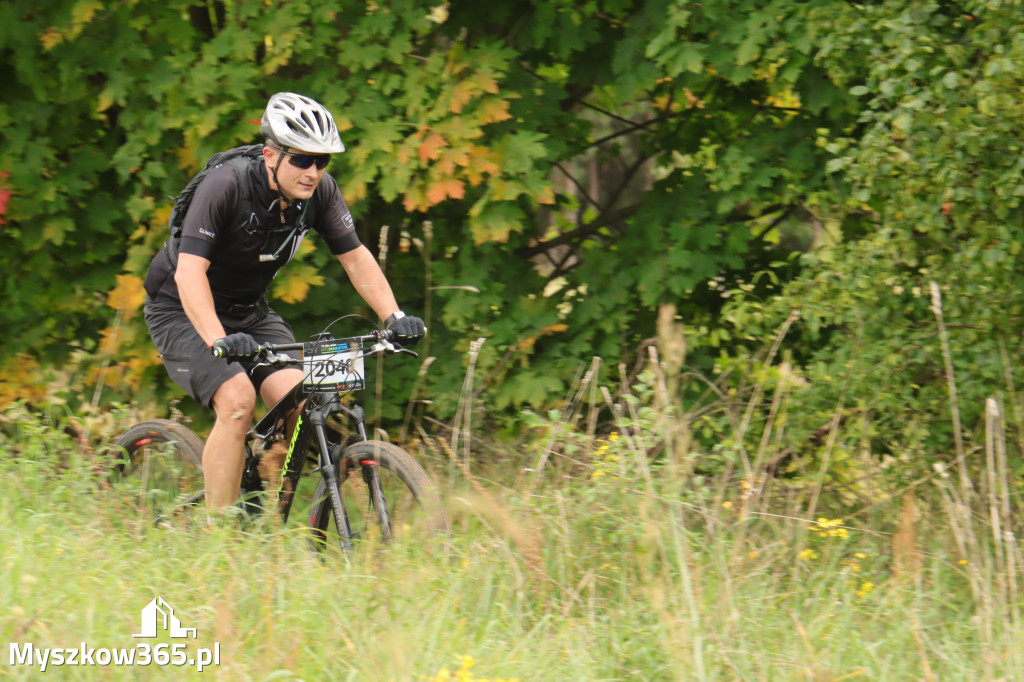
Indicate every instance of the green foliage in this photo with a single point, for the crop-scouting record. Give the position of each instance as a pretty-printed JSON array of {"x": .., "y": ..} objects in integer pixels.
[
  {"x": 544, "y": 142},
  {"x": 931, "y": 189},
  {"x": 553, "y": 176},
  {"x": 765, "y": 192}
]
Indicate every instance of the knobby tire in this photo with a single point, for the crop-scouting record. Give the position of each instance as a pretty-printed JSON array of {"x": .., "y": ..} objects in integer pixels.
[
  {"x": 161, "y": 461},
  {"x": 410, "y": 502}
]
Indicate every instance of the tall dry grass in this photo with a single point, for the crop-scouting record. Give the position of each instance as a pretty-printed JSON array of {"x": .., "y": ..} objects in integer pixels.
[{"x": 602, "y": 546}]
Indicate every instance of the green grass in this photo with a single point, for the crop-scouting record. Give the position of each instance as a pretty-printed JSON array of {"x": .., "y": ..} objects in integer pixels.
[{"x": 612, "y": 576}]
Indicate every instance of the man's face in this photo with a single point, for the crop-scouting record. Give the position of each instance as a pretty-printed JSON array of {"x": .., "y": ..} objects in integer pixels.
[{"x": 298, "y": 184}]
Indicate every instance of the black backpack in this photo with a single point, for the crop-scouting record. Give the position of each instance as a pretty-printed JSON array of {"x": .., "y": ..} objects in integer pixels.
[{"x": 238, "y": 158}]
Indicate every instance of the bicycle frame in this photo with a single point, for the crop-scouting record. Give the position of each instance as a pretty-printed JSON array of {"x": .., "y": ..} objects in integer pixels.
[{"x": 311, "y": 429}]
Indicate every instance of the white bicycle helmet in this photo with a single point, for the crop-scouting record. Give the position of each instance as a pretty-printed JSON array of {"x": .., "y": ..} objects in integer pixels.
[{"x": 300, "y": 123}]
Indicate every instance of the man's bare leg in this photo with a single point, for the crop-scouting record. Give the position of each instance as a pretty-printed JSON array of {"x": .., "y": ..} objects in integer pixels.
[{"x": 224, "y": 454}]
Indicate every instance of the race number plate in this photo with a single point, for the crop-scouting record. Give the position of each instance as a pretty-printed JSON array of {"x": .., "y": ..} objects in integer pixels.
[{"x": 334, "y": 365}]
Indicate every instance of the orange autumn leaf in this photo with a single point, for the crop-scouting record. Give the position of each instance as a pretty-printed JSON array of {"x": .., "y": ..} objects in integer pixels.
[
  {"x": 430, "y": 148},
  {"x": 127, "y": 296},
  {"x": 110, "y": 340},
  {"x": 494, "y": 110},
  {"x": 405, "y": 151},
  {"x": 438, "y": 192},
  {"x": 528, "y": 343},
  {"x": 487, "y": 84},
  {"x": 481, "y": 163},
  {"x": 51, "y": 37},
  {"x": 461, "y": 95},
  {"x": 19, "y": 380},
  {"x": 450, "y": 159},
  {"x": 414, "y": 200}
]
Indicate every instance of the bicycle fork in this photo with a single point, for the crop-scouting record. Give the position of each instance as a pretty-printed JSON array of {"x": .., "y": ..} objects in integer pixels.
[
  {"x": 333, "y": 468},
  {"x": 331, "y": 471}
]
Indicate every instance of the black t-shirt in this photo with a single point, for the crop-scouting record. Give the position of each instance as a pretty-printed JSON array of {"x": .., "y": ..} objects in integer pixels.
[{"x": 236, "y": 274}]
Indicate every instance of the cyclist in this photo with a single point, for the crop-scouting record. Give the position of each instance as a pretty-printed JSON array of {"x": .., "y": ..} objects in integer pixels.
[{"x": 210, "y": 288}]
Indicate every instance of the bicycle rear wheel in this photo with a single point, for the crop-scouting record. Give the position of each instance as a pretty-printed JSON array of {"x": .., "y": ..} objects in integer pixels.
[
  {"x": 159, "y": 464},
  {"x": 386, "y": 494}
]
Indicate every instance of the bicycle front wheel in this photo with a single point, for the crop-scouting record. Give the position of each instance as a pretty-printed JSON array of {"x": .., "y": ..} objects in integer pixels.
[
  {"x": 159, "y": 463},
  {"x": 385, "y": 492}
]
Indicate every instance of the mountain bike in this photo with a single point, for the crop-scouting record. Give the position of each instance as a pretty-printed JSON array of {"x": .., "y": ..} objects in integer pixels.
[{"x": 366, "y": 487}]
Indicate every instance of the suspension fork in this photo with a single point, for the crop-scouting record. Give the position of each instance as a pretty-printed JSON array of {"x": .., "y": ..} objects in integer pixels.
[
  {"x": 371, "y": 476},
  {"x": 331, "y": 471},
  {"x": 369, "y": 470}
]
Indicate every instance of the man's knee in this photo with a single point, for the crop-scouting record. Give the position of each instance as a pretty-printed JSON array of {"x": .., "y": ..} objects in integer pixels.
[
  {"x": 279, "y": 384},
  {"x": 235, "y": 400}
]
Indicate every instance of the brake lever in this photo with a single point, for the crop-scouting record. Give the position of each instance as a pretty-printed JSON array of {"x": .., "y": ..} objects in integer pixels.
[
  {"x": 269, "y": 359},
  {"x": 257, "y": 365},
  {"x": 387, "y": 346}
]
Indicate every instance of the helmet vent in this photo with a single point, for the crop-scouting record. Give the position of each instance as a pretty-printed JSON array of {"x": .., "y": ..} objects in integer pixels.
[{"x": 295, "y": 121}]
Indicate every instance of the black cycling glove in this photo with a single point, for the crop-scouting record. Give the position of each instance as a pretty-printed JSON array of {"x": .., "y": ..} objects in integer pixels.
[
  {"x": 408, "y": 330},
  {"x": 235, "y": 346}
]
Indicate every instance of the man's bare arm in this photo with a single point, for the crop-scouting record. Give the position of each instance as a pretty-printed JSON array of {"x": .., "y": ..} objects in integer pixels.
[
  {"x": 369, "y": 281},
  {"x": 196, "y": 296}
]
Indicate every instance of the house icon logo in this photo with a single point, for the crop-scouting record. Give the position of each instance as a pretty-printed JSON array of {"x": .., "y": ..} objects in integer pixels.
[{"x": 159, "y": 612}]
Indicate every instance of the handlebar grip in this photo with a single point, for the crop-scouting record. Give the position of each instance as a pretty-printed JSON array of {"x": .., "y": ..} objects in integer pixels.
[{"x": 219, "y": 351}]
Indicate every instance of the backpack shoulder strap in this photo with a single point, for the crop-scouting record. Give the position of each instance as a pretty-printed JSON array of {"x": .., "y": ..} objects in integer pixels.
[
  {"x": 238, "y": 159},
  {"x": 244, "y": 206}
]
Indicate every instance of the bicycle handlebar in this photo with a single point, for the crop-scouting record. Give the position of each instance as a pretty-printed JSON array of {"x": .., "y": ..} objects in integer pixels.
[{"x": 269, "y": 350}]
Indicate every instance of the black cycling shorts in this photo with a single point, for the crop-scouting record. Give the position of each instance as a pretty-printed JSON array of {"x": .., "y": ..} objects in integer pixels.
[{"x": 189, "y": 361}]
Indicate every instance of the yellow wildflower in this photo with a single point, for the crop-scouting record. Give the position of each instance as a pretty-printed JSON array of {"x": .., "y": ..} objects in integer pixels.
[
  {"x": 830, "y": 528},
  {"x": 808, "y": 554}
]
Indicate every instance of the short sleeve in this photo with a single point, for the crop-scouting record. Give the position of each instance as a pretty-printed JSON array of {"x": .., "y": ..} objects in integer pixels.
[
  {"x": 335, "y": 223},
  {"x": 211, "y": 209}
]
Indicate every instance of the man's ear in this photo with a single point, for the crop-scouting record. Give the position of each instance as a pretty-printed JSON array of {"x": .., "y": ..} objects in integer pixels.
[{"x": 269, "y": 156}]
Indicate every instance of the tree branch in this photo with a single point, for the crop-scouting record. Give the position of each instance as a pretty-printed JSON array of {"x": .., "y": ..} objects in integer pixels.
[
  {"x": 786, "y": 212},
  {"x": 609, "y": 217},
  {"x": 635, "y": 128},
  {"x": 590, "y": 228},
  {"x": 630, "y": 172},
  {"x": 606, "y": 113},
  {"x": 574, "y": 181}
]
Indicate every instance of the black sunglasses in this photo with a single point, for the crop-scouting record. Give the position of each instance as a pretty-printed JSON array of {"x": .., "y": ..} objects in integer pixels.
[{"x": 304, "y": 161}]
